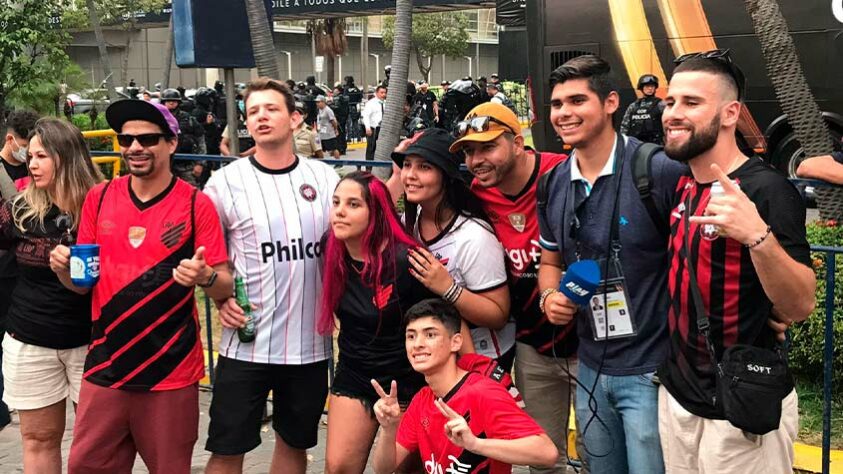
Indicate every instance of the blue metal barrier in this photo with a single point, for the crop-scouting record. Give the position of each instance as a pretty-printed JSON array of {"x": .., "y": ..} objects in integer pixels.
[{"x": 828, "y": 349}]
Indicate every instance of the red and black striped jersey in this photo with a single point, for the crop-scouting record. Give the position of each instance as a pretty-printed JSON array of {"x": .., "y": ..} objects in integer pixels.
[
  {"x": 489, "y": 410},
  {"x": 516, "y": 223},
  {"x": 145, "y": 327},
  {"x": 734, "y": 299}
]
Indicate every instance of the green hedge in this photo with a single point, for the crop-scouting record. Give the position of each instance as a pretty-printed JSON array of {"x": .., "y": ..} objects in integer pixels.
[{"x": 807, "y": 338}]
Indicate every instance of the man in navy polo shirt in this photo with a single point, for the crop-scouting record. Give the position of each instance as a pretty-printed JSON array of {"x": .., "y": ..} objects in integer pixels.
[{"x": 594, "y": 211}]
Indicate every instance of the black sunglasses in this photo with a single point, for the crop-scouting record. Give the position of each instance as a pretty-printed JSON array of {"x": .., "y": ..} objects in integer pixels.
[
  {"x": 479, "y": 125},
  {"x": 145, "y": 139},
  {"x": 724, "y": 57}
]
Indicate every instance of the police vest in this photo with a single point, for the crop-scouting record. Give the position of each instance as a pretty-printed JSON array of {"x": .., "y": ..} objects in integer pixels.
[{"x": 645, "y": 123}]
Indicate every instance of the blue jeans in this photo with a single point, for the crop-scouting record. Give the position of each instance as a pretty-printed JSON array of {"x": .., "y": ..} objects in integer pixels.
[{"x": 625, "y": 438}]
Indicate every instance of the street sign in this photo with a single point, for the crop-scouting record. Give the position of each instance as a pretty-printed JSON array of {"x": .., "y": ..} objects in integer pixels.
[{"x": 319, "y": 64}]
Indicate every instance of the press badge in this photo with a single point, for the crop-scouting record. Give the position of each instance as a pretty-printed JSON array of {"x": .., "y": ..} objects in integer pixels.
[{"x": 620, "y": 322}]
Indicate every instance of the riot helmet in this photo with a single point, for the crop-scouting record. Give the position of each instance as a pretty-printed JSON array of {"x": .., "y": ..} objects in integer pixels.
[
  {"x": 170, "y": 95},
  {"x": 648, "y": 80}
]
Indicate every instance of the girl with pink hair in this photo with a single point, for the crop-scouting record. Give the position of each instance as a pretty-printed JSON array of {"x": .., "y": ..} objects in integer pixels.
[{"x": 368, "y": 287}]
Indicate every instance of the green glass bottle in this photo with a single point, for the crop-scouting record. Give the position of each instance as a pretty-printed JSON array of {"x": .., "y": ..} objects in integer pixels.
[{"x": 247, "y": 332}]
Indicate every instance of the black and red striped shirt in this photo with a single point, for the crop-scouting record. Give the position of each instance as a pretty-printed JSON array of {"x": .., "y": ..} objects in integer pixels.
[
  {"x": 145, "y": 327},
  {"x": 516, "y": 223},
  {"x": 731, "y": 291}
]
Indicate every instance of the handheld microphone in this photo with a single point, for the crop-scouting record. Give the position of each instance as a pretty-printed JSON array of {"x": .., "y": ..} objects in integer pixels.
[{"x": 581, "y": 281}]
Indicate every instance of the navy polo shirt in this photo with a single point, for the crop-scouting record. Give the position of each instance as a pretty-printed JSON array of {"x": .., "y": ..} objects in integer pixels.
[{"x": 643, "y": 253}]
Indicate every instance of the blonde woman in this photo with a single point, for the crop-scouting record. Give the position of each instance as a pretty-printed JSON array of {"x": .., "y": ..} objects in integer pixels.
[{"x": 48, "y": 326}]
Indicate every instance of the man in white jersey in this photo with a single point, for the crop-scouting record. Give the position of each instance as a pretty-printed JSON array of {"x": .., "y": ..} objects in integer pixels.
[{"x": 274, "y": 208}]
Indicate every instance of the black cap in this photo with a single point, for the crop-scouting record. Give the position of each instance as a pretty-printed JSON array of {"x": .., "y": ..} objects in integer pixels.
[
  {"x": 122, "y": 111},
  {"x": 432, "y": 145}
]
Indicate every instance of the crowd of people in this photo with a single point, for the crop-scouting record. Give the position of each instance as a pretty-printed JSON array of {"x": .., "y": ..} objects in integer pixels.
[{"x": 435, "y": 310}]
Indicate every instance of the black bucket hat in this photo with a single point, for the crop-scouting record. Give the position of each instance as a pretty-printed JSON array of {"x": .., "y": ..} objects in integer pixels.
[{"x": 432, "y": 145}]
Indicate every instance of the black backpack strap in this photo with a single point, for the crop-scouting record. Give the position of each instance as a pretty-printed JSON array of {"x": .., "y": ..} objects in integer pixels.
[
  {"x": 541, "y": 185},
  {"x": 642, "y": 174},
  {"x": 102, "y": 197}
]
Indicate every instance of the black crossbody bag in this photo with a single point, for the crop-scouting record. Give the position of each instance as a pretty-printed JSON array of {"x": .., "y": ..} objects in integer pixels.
[{"x": 751, "y": 382}]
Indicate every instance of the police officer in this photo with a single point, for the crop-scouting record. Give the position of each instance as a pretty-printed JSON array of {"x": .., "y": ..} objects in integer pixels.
[
  {"x": 339, "y": 105},
  {"x": 191, "y": 137},
  {"x": 643, "y": 118},
  {"x": 203, "y": 112},
  {"x": 353, "y": 97}
]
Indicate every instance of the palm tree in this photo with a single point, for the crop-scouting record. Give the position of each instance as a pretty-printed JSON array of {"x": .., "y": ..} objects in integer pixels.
[
  {"x": 94, "y": 18},
  {"x": 393, "y": 116},
  {"x": 330, "y": 40},
  {"x": 168, "y": 56},
  {"x": 262, "y": 44},
  {"x": 785, "y": 71}
]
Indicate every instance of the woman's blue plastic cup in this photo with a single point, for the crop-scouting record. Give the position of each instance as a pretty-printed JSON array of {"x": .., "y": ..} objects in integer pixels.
[{"x": 85, "y": 264}]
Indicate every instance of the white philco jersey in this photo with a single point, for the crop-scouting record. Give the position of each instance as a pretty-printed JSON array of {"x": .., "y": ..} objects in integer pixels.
[
  {"x": 274, "y": 221},
  {"x": 474, "y": 258}
]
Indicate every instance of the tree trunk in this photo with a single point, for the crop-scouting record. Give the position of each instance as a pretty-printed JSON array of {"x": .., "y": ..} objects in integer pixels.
[
  {"x": 262, "y": 45},
  {"x": 105, "y": 64},
  {"x": 393, "y": 117},
  {"x": 789, "y": 82},
  {"x": 330, "y": 70},
  {"x": 423, "y": 69},
  {"x": 168, "y": 56},
  {"x": 796, "y": 99}
]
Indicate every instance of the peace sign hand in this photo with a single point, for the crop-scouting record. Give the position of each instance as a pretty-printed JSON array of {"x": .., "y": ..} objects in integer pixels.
[
  {"x": 387, "y": 410},
  {"x": 456, "y": 428},
  {"x": 733, "y": 213}
]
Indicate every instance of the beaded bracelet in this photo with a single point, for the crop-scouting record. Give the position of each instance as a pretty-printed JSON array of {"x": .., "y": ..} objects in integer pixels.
[
  {"x": 761, "y": 239},
  {"x": 547, "y": 292}
]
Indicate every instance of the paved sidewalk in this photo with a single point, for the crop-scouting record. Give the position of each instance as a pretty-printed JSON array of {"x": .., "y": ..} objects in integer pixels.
[{"x": 257, "y": 461}]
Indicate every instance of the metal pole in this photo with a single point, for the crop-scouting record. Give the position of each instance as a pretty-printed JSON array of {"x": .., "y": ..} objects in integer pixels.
[
  {"x": 477, "y": 53},
  {"x": 830, "y": 267},
  {"x": 210, "y": 332},
  {"x": 364, "y": 55},
  {"x": 231, "y": 112}
]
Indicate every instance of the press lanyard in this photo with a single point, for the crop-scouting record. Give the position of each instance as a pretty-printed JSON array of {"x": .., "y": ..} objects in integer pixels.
[{"x": 614, "y": 231}]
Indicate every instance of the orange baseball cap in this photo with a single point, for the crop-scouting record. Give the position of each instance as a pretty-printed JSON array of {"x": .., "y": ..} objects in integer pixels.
[{"x": 503, "y": 120}]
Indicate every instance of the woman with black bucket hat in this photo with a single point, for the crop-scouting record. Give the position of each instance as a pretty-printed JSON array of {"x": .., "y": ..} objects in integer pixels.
[{"x": 464, "y": 261}]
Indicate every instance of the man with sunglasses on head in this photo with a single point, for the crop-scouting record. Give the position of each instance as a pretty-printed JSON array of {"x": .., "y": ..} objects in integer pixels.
[
  {"x": 738, "y": 256},
  {"x": 158, "y": 239},
  {"x": 505, "y": 177},
  {"x": 592, "y": 211}
]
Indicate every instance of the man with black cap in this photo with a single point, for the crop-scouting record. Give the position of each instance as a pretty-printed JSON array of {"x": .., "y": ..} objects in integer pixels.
[
  {"x": 158, "y": 238},
  {"x": 643, "y": 118}
]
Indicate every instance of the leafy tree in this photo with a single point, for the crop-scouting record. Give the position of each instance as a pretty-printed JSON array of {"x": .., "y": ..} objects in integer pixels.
[
  {"x": 46, "y": 94},
  {"x": 92, "y": 14},
  {"x": 433, "y": 34},
  {"x": 31, "y": 46}
]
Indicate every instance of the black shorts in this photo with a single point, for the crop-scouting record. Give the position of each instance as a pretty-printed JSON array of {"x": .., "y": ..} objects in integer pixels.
[
  {"x": 240, "y": 392},
  {"x": 330, "y": 144},
  {"x": 352, "y": 383}
]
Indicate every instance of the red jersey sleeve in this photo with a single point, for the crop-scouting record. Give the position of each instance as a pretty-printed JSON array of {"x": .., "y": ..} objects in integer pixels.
[
  {"x": 209, "y": 231},
  {"x": 504, "y": 419},
  {"x": 408, "y": 436},
  {"x": 88, "y": 221}
]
